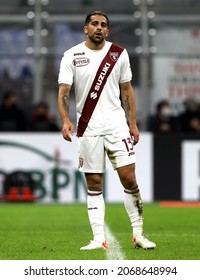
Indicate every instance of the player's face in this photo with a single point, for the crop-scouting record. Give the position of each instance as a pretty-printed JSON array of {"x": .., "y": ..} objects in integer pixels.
[{"x": 97, "y": 29}]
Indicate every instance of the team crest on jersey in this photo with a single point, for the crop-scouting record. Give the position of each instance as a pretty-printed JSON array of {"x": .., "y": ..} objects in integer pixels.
[
  {"x": 114, "y": 56},
  {"x": 80, "y": 162},
  {"x": 81, "y": 61}
]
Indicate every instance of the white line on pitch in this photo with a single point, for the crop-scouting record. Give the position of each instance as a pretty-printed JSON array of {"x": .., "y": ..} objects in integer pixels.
[{"x": 114, "y": 251}]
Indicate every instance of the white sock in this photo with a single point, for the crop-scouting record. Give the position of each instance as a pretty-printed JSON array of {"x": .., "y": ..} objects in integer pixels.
[
  {"x": 134, "y": 207},
  {"x": 96, "y": 213}
]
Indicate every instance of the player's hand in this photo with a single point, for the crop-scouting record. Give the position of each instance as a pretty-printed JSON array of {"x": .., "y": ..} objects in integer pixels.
[
  {"x": 67, "y": 131},
  {"x": 134, "y": 132}
]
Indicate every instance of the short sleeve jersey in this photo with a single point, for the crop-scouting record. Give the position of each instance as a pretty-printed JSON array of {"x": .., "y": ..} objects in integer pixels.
[{"x": 79, "y": 66}]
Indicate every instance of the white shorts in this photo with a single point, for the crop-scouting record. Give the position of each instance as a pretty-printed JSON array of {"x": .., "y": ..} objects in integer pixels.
[{"x": 92, "y": 151}]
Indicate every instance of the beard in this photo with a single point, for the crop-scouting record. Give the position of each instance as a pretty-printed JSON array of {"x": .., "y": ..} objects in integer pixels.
[{"x": 97, "y": 40}]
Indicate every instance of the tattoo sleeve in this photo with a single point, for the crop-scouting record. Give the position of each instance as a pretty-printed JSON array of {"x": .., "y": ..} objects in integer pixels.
[
  {"x": 128, "y": 100},
  {"x": 65, "y": 101},
  {"x": 126, "y": 104}
]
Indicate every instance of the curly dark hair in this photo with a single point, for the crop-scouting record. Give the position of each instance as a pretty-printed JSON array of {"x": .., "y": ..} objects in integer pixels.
[{"x": 88, "y": 17}]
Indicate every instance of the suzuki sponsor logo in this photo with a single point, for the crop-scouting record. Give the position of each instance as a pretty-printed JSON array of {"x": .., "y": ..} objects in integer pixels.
[
  {"x": 93, "y": 95},
  {"x": 99, "y": 82}
]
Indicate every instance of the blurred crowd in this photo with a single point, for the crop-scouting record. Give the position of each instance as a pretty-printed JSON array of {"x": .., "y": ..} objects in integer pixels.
[
  {"x": 165, "y": 121},
  {"x": 14, "y": 118}
]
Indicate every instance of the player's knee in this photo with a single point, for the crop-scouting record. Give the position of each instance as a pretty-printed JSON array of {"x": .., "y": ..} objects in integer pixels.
[
  {"x": 129, "y": 181},
  {"x": 94, "y": 183},
  {"x": 95, "y": 187}
]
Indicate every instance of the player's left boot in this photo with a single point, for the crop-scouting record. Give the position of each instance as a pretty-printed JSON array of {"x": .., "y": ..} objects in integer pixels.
[{"x": 141, "y": 241}]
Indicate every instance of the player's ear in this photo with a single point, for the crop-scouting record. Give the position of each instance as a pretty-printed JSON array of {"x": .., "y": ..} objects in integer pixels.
[{"x": 85, "y": 29}]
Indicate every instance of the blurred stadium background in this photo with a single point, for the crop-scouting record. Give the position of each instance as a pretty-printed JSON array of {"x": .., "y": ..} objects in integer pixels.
[{"x": 163, "y": 41}]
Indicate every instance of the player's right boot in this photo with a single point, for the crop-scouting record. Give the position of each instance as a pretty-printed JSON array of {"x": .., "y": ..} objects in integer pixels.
[
  {"x": 141, "y": 241},
  {"x": 94, "y": 244}
]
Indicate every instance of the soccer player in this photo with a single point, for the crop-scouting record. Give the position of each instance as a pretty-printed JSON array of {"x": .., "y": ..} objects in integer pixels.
[{"x": 101, "y": 73}]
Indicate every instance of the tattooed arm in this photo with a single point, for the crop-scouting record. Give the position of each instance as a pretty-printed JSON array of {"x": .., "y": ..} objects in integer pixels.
[
  {"x": 128, "y": 99},
  {"x": 63, "y": 107}
]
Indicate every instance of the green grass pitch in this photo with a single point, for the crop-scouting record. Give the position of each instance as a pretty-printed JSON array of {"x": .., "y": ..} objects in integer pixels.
[{"x": 57, "y": 231}]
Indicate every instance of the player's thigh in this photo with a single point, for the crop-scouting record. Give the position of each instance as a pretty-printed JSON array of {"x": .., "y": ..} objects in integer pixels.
[{"x": 91, "y": 154}]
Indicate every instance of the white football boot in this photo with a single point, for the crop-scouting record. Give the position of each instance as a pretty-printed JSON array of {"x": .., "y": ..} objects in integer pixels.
[
  {"x": 94, "y": 244},
  {"x": 141, "y": 241}
]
